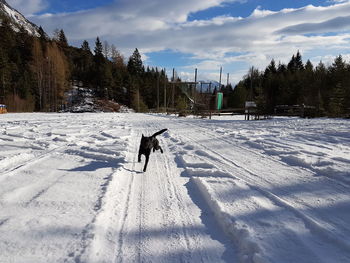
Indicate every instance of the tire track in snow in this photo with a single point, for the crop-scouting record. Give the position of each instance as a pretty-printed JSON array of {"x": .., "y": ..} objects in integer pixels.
[
  {"x": 104, "y": 206},
  {"x": 124, "y": 219},
  {"x": 166, "y": 226},
  {"x": 311, "y": 223},
  {"x": 343, "y": 183},
  {"x": 108, "y": 228},
  {"x": 193, "y": 227},
  {"x": 180, "y": 204},
  {"x": 343, "y": 187},
  {"x": 248, "y": 249},
  {"x": 22, "y": 165},
  {"x": 188, "y": 232}
]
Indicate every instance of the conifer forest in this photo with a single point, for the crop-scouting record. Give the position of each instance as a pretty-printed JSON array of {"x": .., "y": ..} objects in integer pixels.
[{"x": 36, "y": 71}]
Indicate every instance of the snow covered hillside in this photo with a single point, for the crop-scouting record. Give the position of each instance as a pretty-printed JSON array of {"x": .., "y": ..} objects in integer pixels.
[
  {"x": 17, "y": 19},
  {"x": 225, "y": 190}
]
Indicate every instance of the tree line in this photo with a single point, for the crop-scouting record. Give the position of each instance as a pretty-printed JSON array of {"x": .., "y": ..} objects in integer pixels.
[
  {"x": 35, "y": 72},
  {"x": 324, "y": 88}
]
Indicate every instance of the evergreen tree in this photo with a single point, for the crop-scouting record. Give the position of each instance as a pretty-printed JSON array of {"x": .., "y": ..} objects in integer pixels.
[
  {"x": 309, "y": 87},
  {"x": 298, "y": 61},
  {"x": 340, "y": 82},
  {"x": 98, "y": 48},
  {"x": 270, "y": 91},
  {"x": 239, "y": 95},
  {"x": 85, "y": 46},
  {"x": 62, "y": 40},
  {"x": 135, "y": 66},
  {"x": 102, "y": 72},
  {"x": 322, "y": 90},
  {"x": 42, "y": 35}
]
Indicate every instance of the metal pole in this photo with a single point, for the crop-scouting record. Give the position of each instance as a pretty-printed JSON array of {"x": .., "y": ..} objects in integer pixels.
[
  {"x": 138, "y": 99},
  {"x": 195, "y": 86},
  {"x": 220, "y": 78},
  {"x": 165, "y": 91},
  {"x": 173, "y": 89},
  {"x": 158, "y": 92}
]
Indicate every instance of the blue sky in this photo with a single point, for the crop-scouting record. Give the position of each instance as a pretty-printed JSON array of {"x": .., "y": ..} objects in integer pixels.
[{"x": 203, "y": 34}]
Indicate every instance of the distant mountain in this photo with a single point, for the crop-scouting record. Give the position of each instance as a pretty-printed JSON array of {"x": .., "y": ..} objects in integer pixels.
[{"x": 17, "y": 19}]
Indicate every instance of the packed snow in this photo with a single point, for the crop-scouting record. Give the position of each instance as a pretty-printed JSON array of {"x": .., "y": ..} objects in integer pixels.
[{"x": 224, "y": 190}]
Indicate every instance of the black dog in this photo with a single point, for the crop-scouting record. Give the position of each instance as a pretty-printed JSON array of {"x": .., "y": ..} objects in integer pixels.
[{"x": 147, "y": 144}]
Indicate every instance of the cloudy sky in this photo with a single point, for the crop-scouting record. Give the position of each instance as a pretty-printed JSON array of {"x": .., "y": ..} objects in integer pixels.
[{"x": 203, "y": 34}]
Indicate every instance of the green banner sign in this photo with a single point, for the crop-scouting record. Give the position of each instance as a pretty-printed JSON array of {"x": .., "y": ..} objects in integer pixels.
[{"x": 219, "y": 100}]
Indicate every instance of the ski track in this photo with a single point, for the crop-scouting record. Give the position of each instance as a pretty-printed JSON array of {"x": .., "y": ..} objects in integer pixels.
[
  {"x": 37, "y": 211},
  {"x": 254, "y": 181},
  {"x": 155, "y": 223},
  {"x": 71, "y": 190}
]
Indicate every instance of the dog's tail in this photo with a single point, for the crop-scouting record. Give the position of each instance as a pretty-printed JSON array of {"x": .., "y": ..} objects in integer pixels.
[{"x": 160, "y": 132}]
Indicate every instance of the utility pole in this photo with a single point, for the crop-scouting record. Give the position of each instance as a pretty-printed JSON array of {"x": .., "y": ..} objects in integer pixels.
[
  {"x": 228, "y": 78},
  {"x": 157, "y": 92},
  {"x": 220, "y": 78},
  {"x": 138, "y": 99},
  {"x": 173, "y": 89},
  {"x": 165, "y": 90},
  {"x": 195, "y": 87},
  {"x": 251, "y": 83}
]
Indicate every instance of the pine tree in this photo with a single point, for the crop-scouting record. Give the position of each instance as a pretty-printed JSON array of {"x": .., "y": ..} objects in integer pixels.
[
  {"x": 102, "y": 76},
  {"x": 98, "y": 48},
  {"x": 340, "y": 81},
  {"x": 269, "y": 89},
  {"x": 322, "y": 93},
  {"x": 62, "y": 40},
  {"x": 135, "y": 66},
  {"x": 298, "y": 61},
  {"x": 85, "y": 46},
  {"x": 42, "y": 35}
]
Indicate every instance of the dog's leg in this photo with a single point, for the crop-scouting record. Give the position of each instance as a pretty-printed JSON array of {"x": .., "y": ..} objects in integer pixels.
[
  {"x": 139, "y": 157},
  {"x": 160, "y": 148},
  {"x": 146, "y": 163}
]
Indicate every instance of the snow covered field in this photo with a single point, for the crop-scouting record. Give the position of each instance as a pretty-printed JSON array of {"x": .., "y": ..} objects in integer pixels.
[{"x": 225, "y": 190}]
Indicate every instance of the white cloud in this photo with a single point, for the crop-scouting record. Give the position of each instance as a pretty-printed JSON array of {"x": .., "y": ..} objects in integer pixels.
[
  {"x": 155, "y": 25},
  {"x": 328, "y": 59},
  {"x": 28, "y": 7}
]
